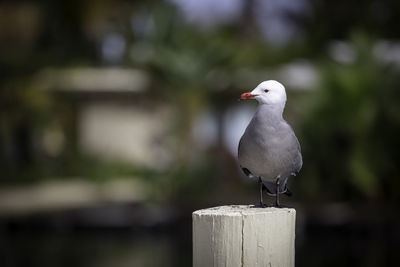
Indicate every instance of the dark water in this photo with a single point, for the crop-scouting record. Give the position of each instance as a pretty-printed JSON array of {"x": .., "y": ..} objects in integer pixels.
[
  {"x": 84, "y": 249},
  {"x": 348, "y": 245},
  {"x": 99, "y": 237},
  {"x": 100, "y": 248},
  {"x": 29, "y": 243}
]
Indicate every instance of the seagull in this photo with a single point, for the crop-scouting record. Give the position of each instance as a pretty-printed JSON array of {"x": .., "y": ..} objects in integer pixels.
[{"x": 269, "y": 149}]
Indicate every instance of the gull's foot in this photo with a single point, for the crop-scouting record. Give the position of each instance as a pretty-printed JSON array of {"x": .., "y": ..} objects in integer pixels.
[
  {"x": 279, "y": 206},
  {"x": 268, "y": 206},
  {"x": 260, "y": 205}
]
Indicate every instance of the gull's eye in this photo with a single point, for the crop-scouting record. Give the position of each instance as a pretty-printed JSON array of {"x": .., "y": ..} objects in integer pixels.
[{"x": 266, "y": 90}]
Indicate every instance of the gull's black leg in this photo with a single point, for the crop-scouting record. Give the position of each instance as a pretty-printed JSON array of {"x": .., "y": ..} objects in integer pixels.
[
  {"x": 261, "y": 192},
  {"x": 277, "y": 203}
]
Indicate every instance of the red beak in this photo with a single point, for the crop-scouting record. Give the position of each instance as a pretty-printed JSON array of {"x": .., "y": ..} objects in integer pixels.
[{"x": 247, "y": 95}]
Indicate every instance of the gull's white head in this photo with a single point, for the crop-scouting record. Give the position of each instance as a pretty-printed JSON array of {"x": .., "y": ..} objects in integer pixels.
[{"x": 268, "y": 92}]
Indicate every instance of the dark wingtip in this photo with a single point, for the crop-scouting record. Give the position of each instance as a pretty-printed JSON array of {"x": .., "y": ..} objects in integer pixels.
[
  {"x": 288, "y": 192},
  {"x": 246, "y": 172}
]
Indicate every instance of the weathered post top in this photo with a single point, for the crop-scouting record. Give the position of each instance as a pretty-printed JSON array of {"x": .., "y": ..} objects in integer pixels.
[{"x": 243, "y": 236}]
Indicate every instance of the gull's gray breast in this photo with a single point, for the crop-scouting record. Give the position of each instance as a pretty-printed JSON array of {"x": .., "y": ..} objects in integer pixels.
[{"x": 269, "y": 149}]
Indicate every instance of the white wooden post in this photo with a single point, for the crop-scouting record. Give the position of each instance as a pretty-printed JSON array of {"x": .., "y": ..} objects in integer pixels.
[{"x": 243, "y": 236}]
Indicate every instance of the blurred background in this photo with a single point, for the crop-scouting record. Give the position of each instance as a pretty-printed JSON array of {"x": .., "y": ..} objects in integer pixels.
[{"x": 120, "y": 118}]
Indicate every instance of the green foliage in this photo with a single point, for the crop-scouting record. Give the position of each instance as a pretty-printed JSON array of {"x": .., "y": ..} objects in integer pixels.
[
  {"x": 349, "y": 123},
  {"x": 349, "y": 143}
]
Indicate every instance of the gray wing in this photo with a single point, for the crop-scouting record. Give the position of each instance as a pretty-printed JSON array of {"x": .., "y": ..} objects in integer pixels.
[
  {"x": 293, "y": 156},
  {"x": 298, "y": 162}
]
